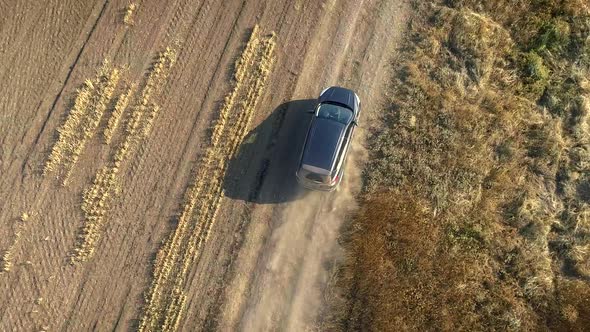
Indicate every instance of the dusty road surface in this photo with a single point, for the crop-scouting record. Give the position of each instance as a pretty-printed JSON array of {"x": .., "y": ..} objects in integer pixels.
[{"x": 187, "y": 229}]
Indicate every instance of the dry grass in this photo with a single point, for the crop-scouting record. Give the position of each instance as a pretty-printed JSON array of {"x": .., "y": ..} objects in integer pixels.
[
  {"x": 98, "y": 198},
  {"x": 82, "y": 121},
  {"x": 94, "y": 205},
  {"x": 70, "y": 127},
  {"x": 475, "y": 213},
  {"x": 166, "y": 297},
  {"x": 7, "y": 256},
  {"x": 129, "y": 12},
  {"x": 117, "y": 115},
  {"x": 405, "y": 274}
]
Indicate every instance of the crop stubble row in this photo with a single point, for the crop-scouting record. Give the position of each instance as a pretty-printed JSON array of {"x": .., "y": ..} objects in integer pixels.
[
  {"x": 82, "y": 122},
  {"x": 166, "y": 297},
  {"x": 98, "y": 198}
]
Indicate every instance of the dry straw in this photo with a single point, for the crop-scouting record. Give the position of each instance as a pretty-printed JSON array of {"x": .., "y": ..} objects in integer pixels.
[
  {"x": 7, "y": 257},
  {"x": 97, "y": 199},
  {"x": 166, "y": 297},
  {"x": 117, "y": 115},
  {"x": 81, "y": 124},
  {"x": 129, "y": 12}
]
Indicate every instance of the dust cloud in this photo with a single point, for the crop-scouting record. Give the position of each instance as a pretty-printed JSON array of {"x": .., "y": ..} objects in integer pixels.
[{"x": 288, "y": 289}]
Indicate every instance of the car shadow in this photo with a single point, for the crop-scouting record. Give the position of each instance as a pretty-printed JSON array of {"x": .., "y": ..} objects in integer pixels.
[{"x": 263, "y": 169}]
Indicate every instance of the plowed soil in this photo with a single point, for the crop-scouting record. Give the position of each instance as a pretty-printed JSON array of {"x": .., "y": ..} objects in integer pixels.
[{"x": 266, "y": 264}]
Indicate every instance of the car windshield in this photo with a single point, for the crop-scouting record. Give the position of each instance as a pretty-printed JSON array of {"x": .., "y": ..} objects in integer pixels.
[{"x": 335, "y": 112}]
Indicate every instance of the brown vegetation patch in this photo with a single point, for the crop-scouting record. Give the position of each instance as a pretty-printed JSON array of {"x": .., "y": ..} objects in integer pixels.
[{"x": 487, "y": 136}]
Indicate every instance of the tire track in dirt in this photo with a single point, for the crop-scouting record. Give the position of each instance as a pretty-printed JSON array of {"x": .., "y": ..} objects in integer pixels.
[
  {"x": 372, "y": 78},
  {"x": 118, "y": 37},
  {"x": 22, "y": 85},
  {"x": 61, "y": 236},
  {"x": 190, "y": 35},
  {"x": 288, "y": 287},
  {"x": 137, "y": 212},
  {"x": 69, "y": 74},
  {"x": 293, "y": 33},
  {"x": 210, "y": 88},
  {"x": 277, "y": 271},
  {"x": 26, "y": 88},
  {"x": 82, "y": 122},
  {"x": 10, "y": 30},
  {"x": 271, "y": 291},
  {"x": 296, "y": 294},
  {"x": 193, "y": 272},
  {"x": 178, "y": 69},
  {"x": 295, "y": 285},
  {"x": 199, "y": 118},
  {"x": 71, "y": 67},
  {"x": 215, "y": 309}
]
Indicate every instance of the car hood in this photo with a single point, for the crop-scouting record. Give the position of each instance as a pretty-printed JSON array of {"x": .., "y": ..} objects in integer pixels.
[
  {"x": 323, "y": 142},
  {"x": 339, "y": 95}
]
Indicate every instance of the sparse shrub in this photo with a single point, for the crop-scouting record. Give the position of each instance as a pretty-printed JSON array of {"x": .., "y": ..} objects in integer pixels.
[
  {"x": 544, "y": 142},
  {"x": 580, "y": 258},
  {"x": 571, "y": 308},
  {"x": 479, "y": 41},
  {"x": 465, "y": 238},
  {"x": 583, "y": 190},
  {"x": 553, "y": 36},
  {"x": 505, "y": 151},
  {"x": 535, "y": 67},
  {"x": 537, "y": 73}
]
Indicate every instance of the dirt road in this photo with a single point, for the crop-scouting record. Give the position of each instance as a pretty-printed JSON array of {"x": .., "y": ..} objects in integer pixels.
[{"x": 266, "y": 260}]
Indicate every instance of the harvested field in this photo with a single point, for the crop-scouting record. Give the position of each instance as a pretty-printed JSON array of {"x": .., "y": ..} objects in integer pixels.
[
  {"x": 165, "y": 174},
  {"x": 97, "y": 199},
  {"x": 166, "y": 297},
  {"x": 82, "y": 121}
]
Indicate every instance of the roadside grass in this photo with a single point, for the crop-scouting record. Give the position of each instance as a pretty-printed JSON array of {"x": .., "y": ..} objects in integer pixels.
[{"x": 475, "y": 210}]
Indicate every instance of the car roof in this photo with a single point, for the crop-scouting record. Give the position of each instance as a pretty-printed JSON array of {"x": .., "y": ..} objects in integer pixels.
[
  {"x": 323, "y": 143},
  {"x": 339, "y": 95}
]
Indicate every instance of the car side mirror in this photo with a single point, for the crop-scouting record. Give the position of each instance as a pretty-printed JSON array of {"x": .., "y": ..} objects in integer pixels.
[{"x": 356, "y": 124}]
